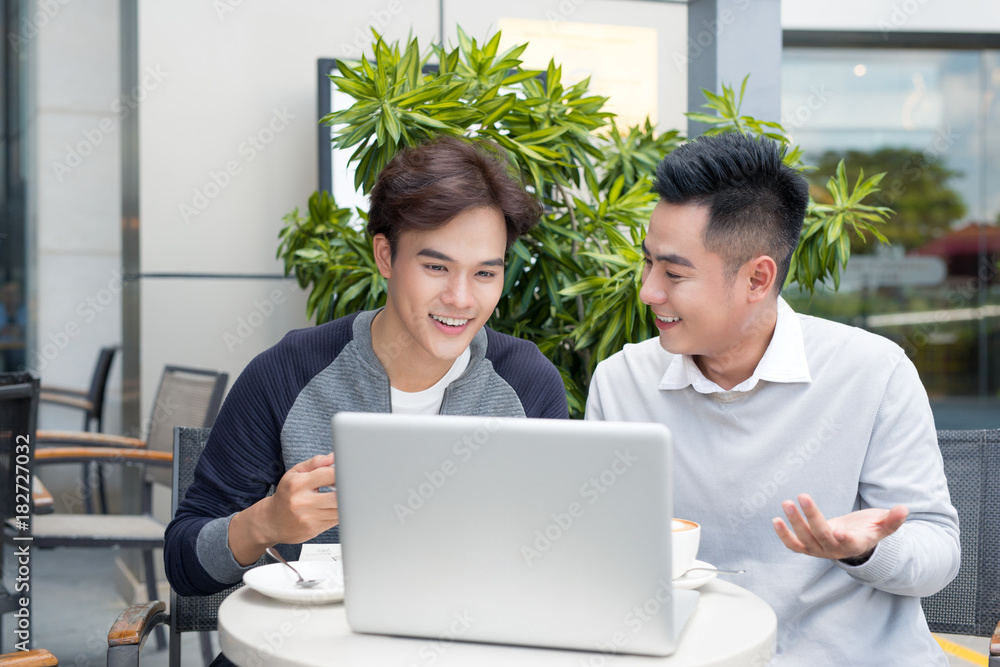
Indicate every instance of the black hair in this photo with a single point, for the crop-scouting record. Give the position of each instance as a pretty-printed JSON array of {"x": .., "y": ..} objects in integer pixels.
[{"x": 756, "y": 202}]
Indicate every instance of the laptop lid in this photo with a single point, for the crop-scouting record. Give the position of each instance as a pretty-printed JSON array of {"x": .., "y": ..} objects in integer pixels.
[{"x": 517, "y": 531}]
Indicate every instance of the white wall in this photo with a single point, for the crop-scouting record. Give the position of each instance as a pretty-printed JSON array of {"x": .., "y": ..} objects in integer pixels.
[
  {"x": 217, "y": 78},
  {"x": 226, "y": 80},
  {"x": 74, "y": 196},
  {"x": 892, "y": 15}
]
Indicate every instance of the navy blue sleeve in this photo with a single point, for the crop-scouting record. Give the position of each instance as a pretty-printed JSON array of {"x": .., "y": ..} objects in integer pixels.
[
  {"x": 532, "y": 376},
  {"x": 242, "y": 459}
]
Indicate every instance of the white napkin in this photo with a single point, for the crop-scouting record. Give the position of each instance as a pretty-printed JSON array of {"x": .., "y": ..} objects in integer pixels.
[{"x": 320, "y": 552}]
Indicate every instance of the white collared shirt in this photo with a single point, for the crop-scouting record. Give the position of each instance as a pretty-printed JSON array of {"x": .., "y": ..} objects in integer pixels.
[
  {"x": 830, "y": 410},
  {"x": 784, "y": 360}
]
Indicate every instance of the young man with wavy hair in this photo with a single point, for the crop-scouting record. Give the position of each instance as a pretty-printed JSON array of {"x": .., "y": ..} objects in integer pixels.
[{"x": 442, "y": 218}]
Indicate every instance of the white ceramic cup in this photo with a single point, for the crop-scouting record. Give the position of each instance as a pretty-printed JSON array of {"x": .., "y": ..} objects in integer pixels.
[{"x": 684, "y": 545}]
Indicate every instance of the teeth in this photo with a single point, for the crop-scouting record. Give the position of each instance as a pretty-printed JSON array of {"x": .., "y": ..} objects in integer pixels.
[
  {"x": 450, "y": 321},
  {"x": 668, "y": 319}
]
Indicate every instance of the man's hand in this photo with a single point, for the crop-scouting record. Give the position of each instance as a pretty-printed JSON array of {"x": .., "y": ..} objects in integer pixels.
[
  {"x": 853, "y": 535},
  {"x": 296, "y": 512}
]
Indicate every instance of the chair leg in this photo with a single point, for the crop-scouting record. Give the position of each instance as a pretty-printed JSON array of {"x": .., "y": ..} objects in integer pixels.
[
  {"x": 102, "y": 495},
  {"x": 174, "y": 655},
  {"x": 147, "y": 558},
  {"x": 88, "y": 501},
  {"x": 207, "y": 653}
]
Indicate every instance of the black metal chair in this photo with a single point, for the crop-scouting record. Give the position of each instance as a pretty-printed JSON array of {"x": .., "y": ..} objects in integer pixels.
[
  {"x": 970, "y": 605},
  {"x": 186, "y": 397},
  {"x": 89, "y": 401},
  {"x": 18, "y": 412},
  {"x": 187, "y": 614}
]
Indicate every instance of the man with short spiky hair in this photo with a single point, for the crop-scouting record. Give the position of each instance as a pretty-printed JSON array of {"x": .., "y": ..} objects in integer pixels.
[{"x": 765, "y": 404}]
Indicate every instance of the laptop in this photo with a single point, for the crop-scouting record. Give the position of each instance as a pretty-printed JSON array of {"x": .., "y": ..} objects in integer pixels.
[{"x": 533, "y": 532}]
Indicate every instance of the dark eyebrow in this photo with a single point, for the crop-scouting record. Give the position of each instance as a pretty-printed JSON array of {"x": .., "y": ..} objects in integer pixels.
[
  {"x": 434, "y": 254},
  {"x": 670, "y": 259}
]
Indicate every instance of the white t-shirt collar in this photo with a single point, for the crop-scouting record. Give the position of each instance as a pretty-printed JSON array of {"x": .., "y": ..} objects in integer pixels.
[{"x": 428, "y": 401}]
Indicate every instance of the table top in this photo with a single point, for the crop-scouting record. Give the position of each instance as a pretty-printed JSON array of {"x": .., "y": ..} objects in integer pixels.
[{"x": 731, "y": 627}]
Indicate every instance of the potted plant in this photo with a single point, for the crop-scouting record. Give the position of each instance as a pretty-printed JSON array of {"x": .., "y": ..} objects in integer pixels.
[{"x": 572, "y": 285}]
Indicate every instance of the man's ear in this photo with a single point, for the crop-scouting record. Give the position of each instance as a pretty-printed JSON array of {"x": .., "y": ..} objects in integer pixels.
[
  {"x": 763, "y": 274},
  {"x": 383, "y": 255}
]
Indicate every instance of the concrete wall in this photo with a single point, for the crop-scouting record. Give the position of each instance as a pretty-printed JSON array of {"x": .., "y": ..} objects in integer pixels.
[
  {"x": 74, "y": 202},
  {"x": 227, "y": 147},
  {"x": 228, "y": 142}
]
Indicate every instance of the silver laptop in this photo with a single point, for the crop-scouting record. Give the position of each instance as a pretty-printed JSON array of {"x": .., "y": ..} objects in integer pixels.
[{"x": 532, "y": 532}]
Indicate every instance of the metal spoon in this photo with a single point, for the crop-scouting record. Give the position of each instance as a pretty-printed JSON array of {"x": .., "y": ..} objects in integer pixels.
[
  {"x": 304, "y": 583},
  {"x": 711, "y": 569}
]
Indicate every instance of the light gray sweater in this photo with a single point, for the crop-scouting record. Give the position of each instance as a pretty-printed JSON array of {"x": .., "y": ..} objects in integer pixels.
[{"x": 832, "y": 411}]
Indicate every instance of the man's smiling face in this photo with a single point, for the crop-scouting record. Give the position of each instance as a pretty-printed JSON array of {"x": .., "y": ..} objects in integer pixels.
[
  {"x": 698, "y": 311},
  {"x": 444, "y": 283}
]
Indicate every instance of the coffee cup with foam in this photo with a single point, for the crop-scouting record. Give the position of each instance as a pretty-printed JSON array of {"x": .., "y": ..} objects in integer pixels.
[{"x": 686, "y": 536}]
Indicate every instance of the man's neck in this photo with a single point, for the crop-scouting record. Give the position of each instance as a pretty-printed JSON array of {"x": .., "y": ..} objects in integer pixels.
[
  {"x": 408, "y": 367},
  {"x": 737, "y": 363}
]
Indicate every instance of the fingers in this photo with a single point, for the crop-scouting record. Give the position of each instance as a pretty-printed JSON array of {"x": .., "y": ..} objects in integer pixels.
[
  {"x": 848, "y": 536},
  {"x": 311, "y": 474},
  {"x": 787, "y": 537},
  {"x": 313, "y": 463},
  {"x": 811, "y": 530},
  {"x": 894, "y": 518}
]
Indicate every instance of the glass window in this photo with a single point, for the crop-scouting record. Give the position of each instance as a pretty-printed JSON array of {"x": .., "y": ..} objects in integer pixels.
[
  {"x": 13, "y": 307},
  {"x": 930, "y": 120}
]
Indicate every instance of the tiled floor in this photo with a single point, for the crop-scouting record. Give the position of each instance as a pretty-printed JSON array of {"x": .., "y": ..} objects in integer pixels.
[{"x": 75, "y": 604}]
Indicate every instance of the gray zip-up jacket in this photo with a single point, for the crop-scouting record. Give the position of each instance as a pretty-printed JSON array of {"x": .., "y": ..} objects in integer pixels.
[{"x": 278, "y": 414}]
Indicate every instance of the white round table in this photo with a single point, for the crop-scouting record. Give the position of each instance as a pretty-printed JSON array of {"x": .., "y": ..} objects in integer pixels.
[{"x": 731, "y": 627}]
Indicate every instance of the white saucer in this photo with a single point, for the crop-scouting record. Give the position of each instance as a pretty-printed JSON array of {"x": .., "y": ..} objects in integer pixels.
[
  {"x": 277, "y": 581},
  {"x": 693, "y": 580}
]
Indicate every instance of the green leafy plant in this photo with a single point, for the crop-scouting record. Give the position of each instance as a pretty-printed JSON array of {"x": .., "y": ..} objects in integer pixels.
[{"x": 572, "y": 284}]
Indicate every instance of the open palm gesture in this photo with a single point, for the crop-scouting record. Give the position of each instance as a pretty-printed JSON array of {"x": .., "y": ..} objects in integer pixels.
[{"x": 853, "y": 535}]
